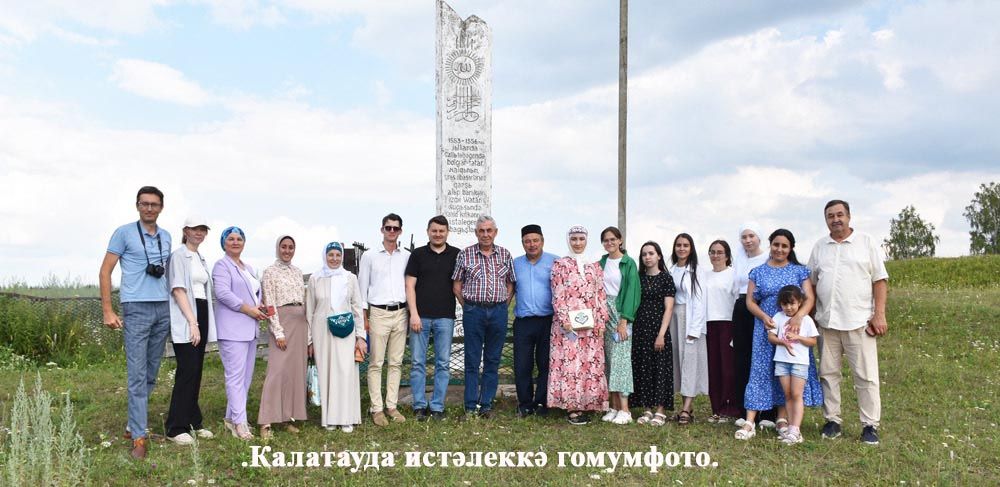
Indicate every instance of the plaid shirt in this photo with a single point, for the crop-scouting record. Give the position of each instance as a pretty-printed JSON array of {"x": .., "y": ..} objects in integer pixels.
[{"x": 484, "y": 278}]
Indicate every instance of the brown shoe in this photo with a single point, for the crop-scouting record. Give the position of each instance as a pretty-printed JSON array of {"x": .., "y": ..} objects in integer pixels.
[
  {"x": 139, "y": 448},
  {"x": 379, "y": 419},
  {"x": 396, "y": 415}
]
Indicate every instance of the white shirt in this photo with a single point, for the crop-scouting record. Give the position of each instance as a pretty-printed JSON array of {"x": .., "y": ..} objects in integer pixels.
[
  {"x": 612, "y": 276},
  {"x": 382, "y": 277},
  {"x": 682, "y": 283},
  {"x": 843, "y": 274},
  {"x": 721, "y": 293},
  {"x": 743, "y": 267},
  {"x": 254, "y": 285},
  {"x": 199, "y": 279},
  {"x": 807, "y": 329}
]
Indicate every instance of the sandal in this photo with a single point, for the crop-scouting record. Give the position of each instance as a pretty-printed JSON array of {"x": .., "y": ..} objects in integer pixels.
[
  {"x": 685, "y": 417},
  {"x": 749, "y": 430},
  {"x": 715, "y": 418},
  {"x": 782, "y": 426},
  {"x": 659, "y": 419},
  {"x": 265, "y": 432},
  {"x": 645, "y": 418}
]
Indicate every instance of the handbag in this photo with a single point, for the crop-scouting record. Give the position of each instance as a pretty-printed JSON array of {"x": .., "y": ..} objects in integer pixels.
[
  {"x": 581, "y": 319},
  {"x": 312, "y": 383},
  {"x": 341, "y": 325}
]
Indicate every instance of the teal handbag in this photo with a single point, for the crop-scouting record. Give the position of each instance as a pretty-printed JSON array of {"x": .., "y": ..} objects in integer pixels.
[{"x": 341, "y": 325}]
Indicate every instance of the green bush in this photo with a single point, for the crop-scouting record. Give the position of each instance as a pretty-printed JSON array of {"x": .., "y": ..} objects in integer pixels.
[{"x": 67, "y": 332}]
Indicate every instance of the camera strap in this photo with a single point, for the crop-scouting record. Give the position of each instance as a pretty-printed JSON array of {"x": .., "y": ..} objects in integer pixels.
[{"x": 159, "y": 244}]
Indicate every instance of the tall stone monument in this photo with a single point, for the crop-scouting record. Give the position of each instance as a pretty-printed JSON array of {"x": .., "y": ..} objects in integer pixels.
[{"x": 464, "y": 120}]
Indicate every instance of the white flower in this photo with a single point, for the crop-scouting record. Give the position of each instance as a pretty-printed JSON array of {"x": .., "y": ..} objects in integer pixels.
[
  {"x": 105, "y": 444},
  {"x": 595, "y": 476}
]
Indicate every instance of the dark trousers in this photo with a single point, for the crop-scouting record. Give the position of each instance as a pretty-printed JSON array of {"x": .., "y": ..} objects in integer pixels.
[
  {"x": 742, "y": 350},
  {"x": 531, "y": 348},
  {"x": 185, "y": 414},
  {"x": 721, "y": 380}
]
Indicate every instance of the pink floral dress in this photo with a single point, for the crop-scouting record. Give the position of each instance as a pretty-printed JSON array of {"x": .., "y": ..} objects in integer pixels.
[{"x": 576, "y": 364}]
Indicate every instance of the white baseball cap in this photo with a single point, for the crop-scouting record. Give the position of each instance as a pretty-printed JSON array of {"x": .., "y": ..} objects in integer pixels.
[{"x": 195, "y": 221}]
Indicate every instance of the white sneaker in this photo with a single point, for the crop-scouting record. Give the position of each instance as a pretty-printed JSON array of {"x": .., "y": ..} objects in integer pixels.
[
  {"x": 740, "y": 422},
  {"x": 347, "y": 428},
  {"x": 623, "y": 417},
  {"x": 764, "y": 424},
  {"x": 204, "y": 433},
  {"x": 610, "y": 415},
  {"x": 330, "y": 427},
  {"x": 181, "y": 439}
]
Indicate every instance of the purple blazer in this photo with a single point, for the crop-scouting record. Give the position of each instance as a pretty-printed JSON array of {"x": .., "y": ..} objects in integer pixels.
[{"x": 231, "y": 291}]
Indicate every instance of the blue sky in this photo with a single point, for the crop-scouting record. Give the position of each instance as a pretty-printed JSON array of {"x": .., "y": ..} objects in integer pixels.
[{"x": 316, "y": 118}]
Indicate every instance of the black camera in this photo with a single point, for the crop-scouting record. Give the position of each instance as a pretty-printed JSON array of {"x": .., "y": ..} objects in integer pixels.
[{"x": 155, "y": 270}]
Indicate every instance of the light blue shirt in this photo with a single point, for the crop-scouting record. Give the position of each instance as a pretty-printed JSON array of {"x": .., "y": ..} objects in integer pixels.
[
  {"x": 136, "y": 285},
  {"x": 533, "y": 286}
]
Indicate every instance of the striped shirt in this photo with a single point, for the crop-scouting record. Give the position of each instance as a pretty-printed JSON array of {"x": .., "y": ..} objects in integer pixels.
[{"x": 484, "y": 278}]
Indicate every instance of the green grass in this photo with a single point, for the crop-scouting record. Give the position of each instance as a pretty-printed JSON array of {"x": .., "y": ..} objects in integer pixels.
[{"x": 939, "y": 366}]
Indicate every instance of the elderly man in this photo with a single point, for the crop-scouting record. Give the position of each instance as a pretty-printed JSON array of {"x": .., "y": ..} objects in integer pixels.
[
  {"x": 532, "y": 322},
  {"x": 483, "y": 284},
  {"x": 849, "y": 273}
]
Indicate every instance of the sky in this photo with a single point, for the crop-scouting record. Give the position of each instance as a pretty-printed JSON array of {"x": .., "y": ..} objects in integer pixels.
[{"x": 315, "y": 118}]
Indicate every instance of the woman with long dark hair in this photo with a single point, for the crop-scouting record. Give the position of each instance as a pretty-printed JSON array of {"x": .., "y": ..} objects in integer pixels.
[
  {"x": 688, "y": 327},
  {"x": 763, "y": 391},
  {"x": 652, "y": 354}
]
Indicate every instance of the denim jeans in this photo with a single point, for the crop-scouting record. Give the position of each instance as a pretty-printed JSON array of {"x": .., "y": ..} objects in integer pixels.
[
  {"x": 146, "y": 327},
  {"x": 442, "y": 329},
  {"x": 485, "y": 330}
]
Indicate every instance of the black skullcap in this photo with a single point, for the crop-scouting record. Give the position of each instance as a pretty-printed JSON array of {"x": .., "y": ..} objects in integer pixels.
[{"x": 531, "y": 229}]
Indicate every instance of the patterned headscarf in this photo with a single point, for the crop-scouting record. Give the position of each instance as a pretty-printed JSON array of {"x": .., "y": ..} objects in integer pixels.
[
  {"x": 581, "y": 258},
  {"x": 227, "y": 231}
]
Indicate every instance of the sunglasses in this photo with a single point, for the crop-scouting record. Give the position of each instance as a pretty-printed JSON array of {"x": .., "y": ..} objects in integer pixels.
[{"x": 392, "y": 229}]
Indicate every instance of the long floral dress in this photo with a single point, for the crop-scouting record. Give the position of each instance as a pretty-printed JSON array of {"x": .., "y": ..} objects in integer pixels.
[
  {"x": 763, "y": 391},
  {"x": 653, "y": 371},
  {"x": 576, "y": 360}
]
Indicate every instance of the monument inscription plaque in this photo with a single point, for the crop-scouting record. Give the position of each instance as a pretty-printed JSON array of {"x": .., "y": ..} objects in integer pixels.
[{"x": 464, "y": 120}]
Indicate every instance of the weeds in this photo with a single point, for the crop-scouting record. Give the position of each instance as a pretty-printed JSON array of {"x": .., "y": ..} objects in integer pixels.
[{"x": 52, "y": 457}]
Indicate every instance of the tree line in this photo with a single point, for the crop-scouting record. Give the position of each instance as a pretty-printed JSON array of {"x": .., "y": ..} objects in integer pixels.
[{"x": 910, "y": 236}]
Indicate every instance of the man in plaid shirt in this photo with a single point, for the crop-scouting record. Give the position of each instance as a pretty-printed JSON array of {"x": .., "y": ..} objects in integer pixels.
[{"x": 483, "y": 283}]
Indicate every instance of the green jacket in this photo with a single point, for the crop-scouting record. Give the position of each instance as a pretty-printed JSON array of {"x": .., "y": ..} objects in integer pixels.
[{"x": 629, "y": 293}]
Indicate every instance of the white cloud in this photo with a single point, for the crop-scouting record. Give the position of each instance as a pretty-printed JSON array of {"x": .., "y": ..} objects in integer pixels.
[
  {"x": 158, "y": 82},
  {"x": 25, "y": 21},
  {"x": 244, "y": 14}
]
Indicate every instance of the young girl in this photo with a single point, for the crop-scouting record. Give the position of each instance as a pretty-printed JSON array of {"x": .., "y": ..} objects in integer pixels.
[{"x": 791, "y": 357}]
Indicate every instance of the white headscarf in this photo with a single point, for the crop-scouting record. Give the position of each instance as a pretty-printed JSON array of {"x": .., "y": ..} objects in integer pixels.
[
  {"x": 277, "y": 251},
  {"x": 338, "y": 276},
  {"x": 581, "y": 258},
  {"x": 741, "y": 254}
]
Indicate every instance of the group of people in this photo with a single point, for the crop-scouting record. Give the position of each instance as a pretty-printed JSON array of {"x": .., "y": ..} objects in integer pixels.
[{"x": 603, "y": 336}]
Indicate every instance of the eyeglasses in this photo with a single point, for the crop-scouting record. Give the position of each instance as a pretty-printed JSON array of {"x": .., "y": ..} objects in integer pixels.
[
  {"x": 392, "y": 229},
  {"x": 148, "y": 206}
]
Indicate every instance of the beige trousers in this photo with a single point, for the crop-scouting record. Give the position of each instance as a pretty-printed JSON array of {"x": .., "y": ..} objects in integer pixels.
[
  {"x": 861, "y": 352},
  {"x": 388, "y": 341}
]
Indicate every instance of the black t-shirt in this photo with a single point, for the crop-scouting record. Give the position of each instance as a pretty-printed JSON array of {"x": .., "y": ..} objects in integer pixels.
[{"x": 435, "y": 298}]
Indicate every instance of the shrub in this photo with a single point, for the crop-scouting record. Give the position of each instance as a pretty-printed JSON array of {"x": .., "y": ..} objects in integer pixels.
[{"x": 36, "y": 453}]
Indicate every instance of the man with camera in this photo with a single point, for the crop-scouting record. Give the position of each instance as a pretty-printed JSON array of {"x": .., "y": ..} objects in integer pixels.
[{"x": 143, "y": 249}]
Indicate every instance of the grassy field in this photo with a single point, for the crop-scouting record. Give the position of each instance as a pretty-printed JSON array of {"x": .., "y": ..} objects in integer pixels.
[{"x": 939, "y": 367}]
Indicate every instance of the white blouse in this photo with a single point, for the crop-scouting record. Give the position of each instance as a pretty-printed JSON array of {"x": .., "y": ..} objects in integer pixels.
[
  {"x": 612, "y": 276},
  {"x": 744, "y": 266},
  {"x": 199, "y": 279},
  {"x": 721, "y": 293}
]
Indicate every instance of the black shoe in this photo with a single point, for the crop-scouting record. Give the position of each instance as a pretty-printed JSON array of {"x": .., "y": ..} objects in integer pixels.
[
  {"x": 437, "y": 415},
  {"x": 869, "y": 435},
  {"x": 541, "y": 410},
  {"x": 421, "y": 414},
  {"x": 831, "y": 430},
  {"x": 579, "y": 419},
  {"x": 524, "y": 413},
  {"x": 486, "y": 413}
]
